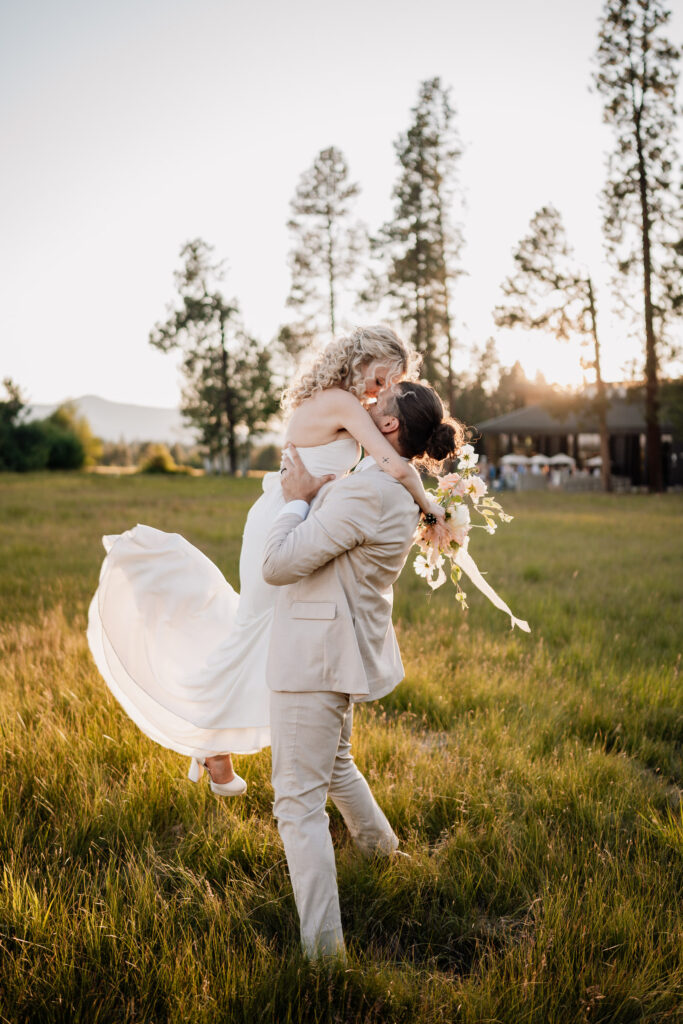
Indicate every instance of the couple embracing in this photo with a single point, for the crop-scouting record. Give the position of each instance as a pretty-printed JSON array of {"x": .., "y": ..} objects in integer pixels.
[{"x": 209, "y": 673}]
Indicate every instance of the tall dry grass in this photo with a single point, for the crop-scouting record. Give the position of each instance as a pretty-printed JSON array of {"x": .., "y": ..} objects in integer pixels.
[{"x": 535, "y": 781}]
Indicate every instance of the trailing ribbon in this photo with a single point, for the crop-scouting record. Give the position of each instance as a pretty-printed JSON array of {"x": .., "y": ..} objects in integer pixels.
[{"x": 468, "y": 566}]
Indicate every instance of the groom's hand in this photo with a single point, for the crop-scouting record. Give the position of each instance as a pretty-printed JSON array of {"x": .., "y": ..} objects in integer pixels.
[{"x": 297, "y": 482}]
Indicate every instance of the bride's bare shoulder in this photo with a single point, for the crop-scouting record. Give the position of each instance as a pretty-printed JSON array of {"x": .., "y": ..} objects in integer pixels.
[
  {"x": 336, "y": 400},
  {"x": 328, "y": 401},
  {"x": 329, "y": 396}
]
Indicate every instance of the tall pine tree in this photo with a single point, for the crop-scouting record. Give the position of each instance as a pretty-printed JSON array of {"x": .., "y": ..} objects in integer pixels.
[
  {"x": 637, "y": 76},
  {"x": 327, "y": 243},
  {"x": 419, "y": 248},
  {"x": 550, "y": 292},
  {"x": 228, "y": 385}
]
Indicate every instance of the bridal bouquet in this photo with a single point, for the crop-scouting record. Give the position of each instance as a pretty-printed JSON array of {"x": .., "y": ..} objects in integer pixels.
[{"x": 460, "y": 494}]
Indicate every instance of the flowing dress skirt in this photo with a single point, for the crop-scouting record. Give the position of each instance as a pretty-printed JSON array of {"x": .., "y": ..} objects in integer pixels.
[{"x": 181, "y": 651}]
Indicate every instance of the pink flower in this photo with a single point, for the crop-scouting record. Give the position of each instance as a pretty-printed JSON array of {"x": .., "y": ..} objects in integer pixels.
[
  {"x": 459, "y": 533},
  {"x": 448, "y": 482},
  {"x": 438, "y": 539},
  {"x": 476, "y": 488}
]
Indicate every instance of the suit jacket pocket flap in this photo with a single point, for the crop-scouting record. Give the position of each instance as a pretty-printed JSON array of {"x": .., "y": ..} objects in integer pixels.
[{"x": 313, "y": 610}]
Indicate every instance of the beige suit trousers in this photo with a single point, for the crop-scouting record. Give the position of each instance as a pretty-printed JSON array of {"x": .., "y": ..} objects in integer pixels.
[{"x": 311, "y": 746}]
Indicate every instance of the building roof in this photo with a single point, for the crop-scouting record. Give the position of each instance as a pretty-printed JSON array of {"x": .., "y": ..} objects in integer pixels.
[{"x": 623, "y": 417}]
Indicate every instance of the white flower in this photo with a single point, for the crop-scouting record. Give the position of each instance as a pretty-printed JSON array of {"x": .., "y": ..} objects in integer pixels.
[
  {"x": 468, "y": 462},
  {"x": 460, "y": 514},
  {"x": 490, "y": 527},
  {"x": 421, "y": 566},
  {"x": 467, "y": 449}
]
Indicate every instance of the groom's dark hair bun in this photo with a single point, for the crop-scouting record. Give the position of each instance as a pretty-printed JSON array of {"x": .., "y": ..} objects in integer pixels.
[
  {"x": 441, "y": 444},
  {"x": 426, "y": 433}
]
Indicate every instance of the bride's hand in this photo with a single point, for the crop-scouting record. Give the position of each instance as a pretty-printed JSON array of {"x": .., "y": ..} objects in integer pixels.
[
  {"x": 437, "y": 511},
  {"x": 436, "y": 528}
]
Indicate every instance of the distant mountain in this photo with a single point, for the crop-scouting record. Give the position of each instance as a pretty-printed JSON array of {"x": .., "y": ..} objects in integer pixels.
[{"x": 116, "y": 421}]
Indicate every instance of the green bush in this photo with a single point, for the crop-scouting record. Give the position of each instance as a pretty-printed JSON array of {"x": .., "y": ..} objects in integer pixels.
[
  {"x": 53, "y": 443},
  {"x": 28, "y": 447},
  {"x": 158, "y": 459},
  {"x": 65, "y": 418},
  {"x": 66, "y": 450}
]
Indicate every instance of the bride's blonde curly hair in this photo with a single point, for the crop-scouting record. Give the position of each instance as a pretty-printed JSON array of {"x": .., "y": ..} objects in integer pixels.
[{"x": 342, "y": 362}]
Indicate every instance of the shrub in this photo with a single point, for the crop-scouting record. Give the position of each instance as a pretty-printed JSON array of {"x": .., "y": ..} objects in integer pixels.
[
  {"x": 26, "y": 448},
  {"x": 53, "y": 443},
  {"x": 67, "y": 419},
  {"x": 157, "y": 459},
  {"x": 66, "y": 449}
]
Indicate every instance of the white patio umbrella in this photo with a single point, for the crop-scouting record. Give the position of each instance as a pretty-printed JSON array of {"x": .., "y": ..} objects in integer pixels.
[
  {"x": 514, "y": 460},
  {"x": 595, "y": 461},
  {"x": 562, "y": 460},
  {"x": 539, "y": 460}
]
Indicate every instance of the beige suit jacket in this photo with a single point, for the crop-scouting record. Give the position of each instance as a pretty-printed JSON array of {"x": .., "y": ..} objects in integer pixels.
[{"x": 332, "y": 626}]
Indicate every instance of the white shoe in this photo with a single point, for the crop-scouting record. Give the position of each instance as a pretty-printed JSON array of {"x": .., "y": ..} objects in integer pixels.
[{"x": 235, "y": 787}]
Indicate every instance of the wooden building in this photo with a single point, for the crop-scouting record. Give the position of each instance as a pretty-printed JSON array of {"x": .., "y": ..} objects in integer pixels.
[{"x": 537, "y": 429}]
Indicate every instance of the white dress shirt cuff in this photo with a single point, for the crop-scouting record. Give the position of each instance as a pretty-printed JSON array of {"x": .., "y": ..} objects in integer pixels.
[{"x": 299, "y": 507}]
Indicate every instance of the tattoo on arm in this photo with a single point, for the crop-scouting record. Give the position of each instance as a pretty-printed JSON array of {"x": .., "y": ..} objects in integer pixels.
[{"x": 385, "y": 459}]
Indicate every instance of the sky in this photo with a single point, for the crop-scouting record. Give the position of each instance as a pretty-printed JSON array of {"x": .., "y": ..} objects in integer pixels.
[{"x": 131, "y": 127}]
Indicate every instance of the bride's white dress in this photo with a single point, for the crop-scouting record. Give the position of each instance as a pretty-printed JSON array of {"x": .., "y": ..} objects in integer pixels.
[{"x": 181, "y": 651}]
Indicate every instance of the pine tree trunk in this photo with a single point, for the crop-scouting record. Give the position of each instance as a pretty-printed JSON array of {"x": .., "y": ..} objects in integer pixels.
[
  {"x": 450, "y": 397},
  {"x": 421, "y": 322},
  {"x": 232, "y": 448},
  {"x": 330, "y": 272},
  {"x": 450, "y": 390},
  {"x": 227, "y": 403},
  {"x": 654, "y": 440},
  {"x": 601, "y": 404},
  {"x": 418, "y": 318}
]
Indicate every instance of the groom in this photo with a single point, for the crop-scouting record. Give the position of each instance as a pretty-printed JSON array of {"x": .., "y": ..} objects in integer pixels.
[{"x": 333, "y": 644}]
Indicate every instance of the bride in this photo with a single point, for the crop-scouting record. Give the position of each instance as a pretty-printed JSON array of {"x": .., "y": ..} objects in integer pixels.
[{"x": 182, "y": 652}]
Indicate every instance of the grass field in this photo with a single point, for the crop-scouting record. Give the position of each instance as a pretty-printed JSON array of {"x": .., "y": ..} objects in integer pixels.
[{"x": 535, "y": 781}]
